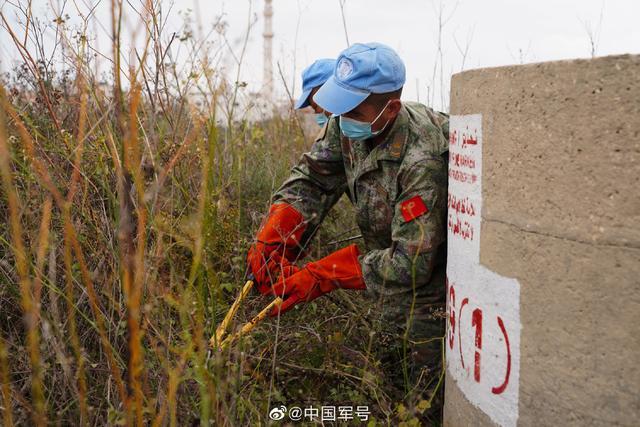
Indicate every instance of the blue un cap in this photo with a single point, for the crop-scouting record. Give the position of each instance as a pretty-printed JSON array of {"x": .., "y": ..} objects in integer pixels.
[
  {"x": 313, "y": 76},
  {"x": 362, "y": 69}
]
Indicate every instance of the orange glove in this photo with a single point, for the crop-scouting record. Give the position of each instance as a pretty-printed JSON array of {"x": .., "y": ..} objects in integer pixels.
[
  {"x": 340, "y": 269},
  {"x": 277, "y": 245}
]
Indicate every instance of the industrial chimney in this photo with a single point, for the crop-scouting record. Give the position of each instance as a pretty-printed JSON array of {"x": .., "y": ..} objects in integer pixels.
[{"x": 267, "y": 84}]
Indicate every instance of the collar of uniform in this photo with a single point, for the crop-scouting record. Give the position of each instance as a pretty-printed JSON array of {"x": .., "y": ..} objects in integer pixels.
[{"x": 392, "y": 146}]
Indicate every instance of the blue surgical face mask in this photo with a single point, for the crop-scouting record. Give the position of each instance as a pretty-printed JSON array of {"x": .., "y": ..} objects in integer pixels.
[
  {"x": 357, "y": 130},
  {"x": 321, "y": 119}
]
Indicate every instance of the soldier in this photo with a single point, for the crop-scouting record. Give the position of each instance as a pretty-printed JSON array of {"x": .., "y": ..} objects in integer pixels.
[
  {"x": 313, "y": 77},
  {"x": 390, "y": 157}
]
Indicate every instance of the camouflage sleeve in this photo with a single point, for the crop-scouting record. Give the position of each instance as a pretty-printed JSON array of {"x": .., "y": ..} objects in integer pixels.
[
  {"x": 318, "y": 181},
  {"x": 441, "y": 120},
  {"x": 415, "y": 241}
]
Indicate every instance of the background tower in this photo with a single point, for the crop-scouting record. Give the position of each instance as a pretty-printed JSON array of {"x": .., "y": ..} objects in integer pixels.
[{"x": 267, "y": 35}]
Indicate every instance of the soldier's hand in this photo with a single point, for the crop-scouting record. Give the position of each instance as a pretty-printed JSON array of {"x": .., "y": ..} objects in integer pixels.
[
  {"x": 276, "y": 267},
  {"x": 277, "y": 245},
  {"x": 340, "y": 269}
]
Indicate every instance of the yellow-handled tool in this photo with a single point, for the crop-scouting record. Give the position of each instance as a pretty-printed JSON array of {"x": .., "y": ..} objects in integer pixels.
[{"x": 217, "y": 341}]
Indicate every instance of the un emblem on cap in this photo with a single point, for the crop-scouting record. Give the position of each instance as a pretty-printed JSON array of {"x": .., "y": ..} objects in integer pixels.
[{"x": 344, "y": 69}]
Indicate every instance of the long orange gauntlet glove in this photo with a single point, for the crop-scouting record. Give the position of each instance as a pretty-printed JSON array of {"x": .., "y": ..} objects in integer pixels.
[
  {"x": 277, "y": 245},
  {"x": 340, "y": 269}
]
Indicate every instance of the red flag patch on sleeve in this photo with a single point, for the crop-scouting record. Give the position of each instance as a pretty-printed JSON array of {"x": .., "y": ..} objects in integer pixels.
[{"x": 413, "y": 208}]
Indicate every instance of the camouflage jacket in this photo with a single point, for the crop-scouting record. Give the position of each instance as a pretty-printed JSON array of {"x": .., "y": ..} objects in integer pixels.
[{"x": 402, "y": 253}]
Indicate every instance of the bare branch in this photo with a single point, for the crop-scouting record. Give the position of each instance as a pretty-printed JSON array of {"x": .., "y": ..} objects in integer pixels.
[{"x": 344, "y": 21}]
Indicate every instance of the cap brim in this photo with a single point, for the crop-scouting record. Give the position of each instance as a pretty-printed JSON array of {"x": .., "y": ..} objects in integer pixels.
[
  {"x": 303, "y": 101},
  {"x": 337, "y": 99}
]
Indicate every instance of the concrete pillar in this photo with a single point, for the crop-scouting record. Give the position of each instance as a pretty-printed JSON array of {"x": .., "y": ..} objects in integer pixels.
[{"x": 544, "y": 245}]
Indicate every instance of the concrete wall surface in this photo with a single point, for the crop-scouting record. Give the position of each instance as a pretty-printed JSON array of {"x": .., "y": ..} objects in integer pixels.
[{"x": 559, "y": 173}]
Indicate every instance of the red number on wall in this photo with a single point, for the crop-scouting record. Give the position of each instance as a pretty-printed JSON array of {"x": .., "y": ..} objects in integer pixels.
[
  {"x": 476, "y": 321},
  {"x": 499, "y": 389}
]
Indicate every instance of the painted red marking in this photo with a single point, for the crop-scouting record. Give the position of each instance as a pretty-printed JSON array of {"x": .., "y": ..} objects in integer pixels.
[
  {"x": 476, "y": 321},
  {"x": 460, "y": 228},
  {"x": 461, "y": 160},
  {"x": 468, "y": 140},
  {"x": 461, "y": 206},
  {"x": 453, "y": 137},
  {"x": 503, "y": 386},
  {"x": 452, "y": 316}
]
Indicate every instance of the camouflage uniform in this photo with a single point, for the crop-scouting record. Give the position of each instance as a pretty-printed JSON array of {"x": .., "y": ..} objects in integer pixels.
[{"x": 403, "y": 258}]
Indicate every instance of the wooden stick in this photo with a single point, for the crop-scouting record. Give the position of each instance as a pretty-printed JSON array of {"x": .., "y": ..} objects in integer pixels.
[
  {"x": 248, "y": 327},
  {"x": 222, "y": 329}
]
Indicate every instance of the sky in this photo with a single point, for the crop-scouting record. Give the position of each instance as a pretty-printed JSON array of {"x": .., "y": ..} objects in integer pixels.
[{"x": 474, "y": 34}]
